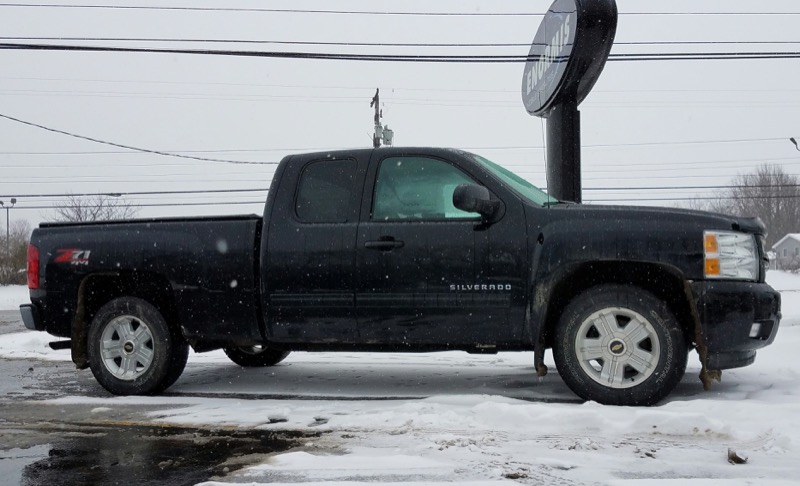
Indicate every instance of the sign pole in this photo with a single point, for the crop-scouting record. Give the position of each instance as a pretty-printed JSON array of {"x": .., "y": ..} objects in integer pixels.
[
  {"x": 566, "y": 58},
  {"x": 564, "y": 152}
]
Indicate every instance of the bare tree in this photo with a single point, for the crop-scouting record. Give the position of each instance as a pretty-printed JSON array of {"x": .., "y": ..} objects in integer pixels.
[
  {"x": 769, "y": 193},
  {"x": 716, "y": 204},
  {"x": 13, "y": 261},
  {"x": 772, "y": 195},
  {"x": 93, "y": 208}
]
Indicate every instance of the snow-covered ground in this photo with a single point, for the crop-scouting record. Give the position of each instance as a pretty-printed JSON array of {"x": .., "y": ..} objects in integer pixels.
[
  {"x": 486, "y": 419},
  {"x": 11, "y": 296}
]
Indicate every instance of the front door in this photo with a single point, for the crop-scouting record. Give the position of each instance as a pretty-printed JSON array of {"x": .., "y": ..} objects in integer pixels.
[{"x": 419, "y": 261}]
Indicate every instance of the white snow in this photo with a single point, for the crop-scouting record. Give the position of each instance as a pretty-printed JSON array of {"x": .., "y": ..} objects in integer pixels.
[
  {"x": 484, "y": 419},
  {"x": 11, "y": 296}
]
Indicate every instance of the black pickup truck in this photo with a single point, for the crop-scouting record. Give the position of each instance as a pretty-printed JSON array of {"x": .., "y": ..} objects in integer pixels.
[{"x": 410, "y": 249}]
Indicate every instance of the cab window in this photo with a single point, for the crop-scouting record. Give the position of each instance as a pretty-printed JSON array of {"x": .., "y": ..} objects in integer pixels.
[
  {"x": 324, "y": 191},
  {"x": 417, "y": 188}
]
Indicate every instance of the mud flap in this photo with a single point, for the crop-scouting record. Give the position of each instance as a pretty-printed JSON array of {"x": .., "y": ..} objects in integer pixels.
[
  {"x": 538, "y": 359},
  {"x": 707, "y": 376},
  {"x": 539, "y": 345},
  {"x": 80, "y": 332}
]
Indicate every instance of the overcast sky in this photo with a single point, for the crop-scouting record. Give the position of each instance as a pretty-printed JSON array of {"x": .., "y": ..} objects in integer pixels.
[{"x": 646, "y": 125}]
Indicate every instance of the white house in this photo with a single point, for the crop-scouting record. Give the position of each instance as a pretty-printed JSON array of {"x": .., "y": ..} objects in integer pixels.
[{"x": 787, "y": 252}]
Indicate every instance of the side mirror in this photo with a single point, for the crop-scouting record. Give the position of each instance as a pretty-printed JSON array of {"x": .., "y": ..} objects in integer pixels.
[{"x": 476, "y": 199}]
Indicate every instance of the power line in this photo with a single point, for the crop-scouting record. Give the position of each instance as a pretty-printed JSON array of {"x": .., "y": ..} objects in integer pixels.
[
  {"x": 704, "y": 56},
  {"x": 128, "y": 152},
  {"x": 193, "y": 96},
  {"x": 671, "y": 188},
  {"x": 647, "y": 166},
  {"x": 428, "y": 102},
  {"x": 522, "y": 168},
  {"x": 691, "y": 142},
  {"x": 493, "y": 59},
  {"x": 734, "y": 14},
  {"x": 153, "y": 205},
  {"x": 277, "y": 42},
  {"x": 40, "y": 180},
  {"x": 172, "y": 154},
  {"x": 128, "y": 177},
  {"x": 368, "y": 88},
  {"x": 246, "y": 180},
  {"x": 130, "y": 147},
  {"x": 263, "y": 190},
  {"x": 372, "y": 44},
  {"x": 258, "y": 85},
  {"x": 136, "y": 193},
  {"x": 276, "y": 10},
  {"x": 239, "y": 203},
  {"x": 158, "y": 180},
  {"x": 364, "y": 12},
  {"x": 678, "y": 199},
  {"x": 272, "y": 54},
  {"x": 703, "y": 165}
]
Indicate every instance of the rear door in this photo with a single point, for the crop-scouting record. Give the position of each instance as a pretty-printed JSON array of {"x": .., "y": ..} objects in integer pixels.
[
  {"x": 310, "y": 258},
  {"x": 420, "y": 261}
]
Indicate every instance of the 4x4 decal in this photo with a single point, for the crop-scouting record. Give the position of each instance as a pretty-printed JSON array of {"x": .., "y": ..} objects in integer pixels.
[{"x": 73, "y": 256}]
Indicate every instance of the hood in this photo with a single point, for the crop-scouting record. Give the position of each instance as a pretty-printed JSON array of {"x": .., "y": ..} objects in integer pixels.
[{"x": 663, "y": 214}]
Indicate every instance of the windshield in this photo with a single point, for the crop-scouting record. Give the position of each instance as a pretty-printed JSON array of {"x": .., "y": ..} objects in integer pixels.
[{"x": 519, "y": 185}]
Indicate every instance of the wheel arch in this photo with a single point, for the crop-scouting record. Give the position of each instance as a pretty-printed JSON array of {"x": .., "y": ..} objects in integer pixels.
[
  {"x": 663, "y": 281},
  {"x": 98, "y": 289}
]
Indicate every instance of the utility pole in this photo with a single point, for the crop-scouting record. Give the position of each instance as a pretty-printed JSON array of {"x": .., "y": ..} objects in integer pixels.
[
  {"x": 376, "y": 101},
  {"x": 8, "y": 233},
  {"x": 382, "y": 133}
]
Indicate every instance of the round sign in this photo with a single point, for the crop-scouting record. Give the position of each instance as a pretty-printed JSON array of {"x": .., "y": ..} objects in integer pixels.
[{"x": 568, "y": 53}]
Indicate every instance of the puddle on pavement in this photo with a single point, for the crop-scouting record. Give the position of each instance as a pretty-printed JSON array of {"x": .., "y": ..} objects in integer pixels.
[{"x": 139, "y": 455}]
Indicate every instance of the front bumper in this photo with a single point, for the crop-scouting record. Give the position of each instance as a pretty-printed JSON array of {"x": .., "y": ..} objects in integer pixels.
[{"x": 736, "y": 319}]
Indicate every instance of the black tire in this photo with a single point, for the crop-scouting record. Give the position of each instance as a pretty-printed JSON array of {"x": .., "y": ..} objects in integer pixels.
[
  {"x": 255, "y": 356},
  {"x": 602, "y": 358},
  {"x": 143, "y": 354}
]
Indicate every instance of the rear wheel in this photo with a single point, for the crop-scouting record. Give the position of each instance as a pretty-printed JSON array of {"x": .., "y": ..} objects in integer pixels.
[
  {"x": 132, "y": 350},
  {"x": 620, "y": 345},
  {"x": 255, "y": 356}
]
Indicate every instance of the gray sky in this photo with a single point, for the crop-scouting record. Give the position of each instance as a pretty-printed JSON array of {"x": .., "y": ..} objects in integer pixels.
[{"x": 647, "y": 124}]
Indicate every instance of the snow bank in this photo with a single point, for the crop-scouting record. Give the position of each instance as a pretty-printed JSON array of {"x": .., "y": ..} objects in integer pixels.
[
  {"x": 788, "y": 284},
  {"x": 781, "y": 281}
]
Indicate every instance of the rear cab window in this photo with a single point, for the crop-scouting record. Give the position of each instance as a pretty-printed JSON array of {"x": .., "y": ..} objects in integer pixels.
[{"x": 325, "y": 191}]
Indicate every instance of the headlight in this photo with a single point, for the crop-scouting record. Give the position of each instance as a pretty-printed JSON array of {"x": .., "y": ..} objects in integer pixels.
[{"x": 730, "y": 255}]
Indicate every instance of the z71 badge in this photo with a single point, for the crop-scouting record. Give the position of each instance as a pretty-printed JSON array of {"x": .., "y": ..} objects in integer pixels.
[{"x": 72, "y": 256}]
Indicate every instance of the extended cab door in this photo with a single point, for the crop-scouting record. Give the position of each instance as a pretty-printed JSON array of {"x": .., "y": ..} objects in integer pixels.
[
  {"x": 309, "y": 261},
  {"x": 424, "y": 269}
]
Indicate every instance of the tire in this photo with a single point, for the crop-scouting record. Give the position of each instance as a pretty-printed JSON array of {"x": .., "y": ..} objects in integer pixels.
[
  {"x": 620, "y": 345},
  {"x": 132, "y": 350},
  {"x": 255, "y": 356}
]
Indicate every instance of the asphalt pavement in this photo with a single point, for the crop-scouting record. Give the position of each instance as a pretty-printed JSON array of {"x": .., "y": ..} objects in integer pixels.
[
  {"x": 46, "y": 443},
  {"x": 10, "y": 321}
]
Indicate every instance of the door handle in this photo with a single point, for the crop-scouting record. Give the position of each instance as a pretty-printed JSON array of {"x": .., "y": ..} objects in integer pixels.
[{"x": 385, "y": 243}]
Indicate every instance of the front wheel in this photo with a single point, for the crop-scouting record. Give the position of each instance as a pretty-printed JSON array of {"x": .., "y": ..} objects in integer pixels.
[
  {"x": 255, "y": 356},
  {"x": 620, "y": 345},
  {"x": 132, "y": 350}
]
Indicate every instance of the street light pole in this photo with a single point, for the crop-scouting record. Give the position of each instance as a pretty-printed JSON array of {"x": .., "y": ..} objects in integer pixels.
[{"x": 8, "y": 226}]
